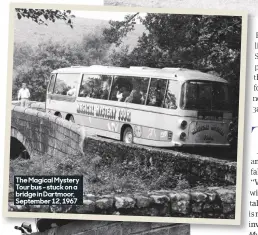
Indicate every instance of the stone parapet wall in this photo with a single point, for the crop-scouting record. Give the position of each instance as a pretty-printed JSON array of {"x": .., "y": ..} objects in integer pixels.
[
  {"x": 205, "y": 170},
  {"x": 42, "y": 133},
  {"x": 213, "y": 202}
]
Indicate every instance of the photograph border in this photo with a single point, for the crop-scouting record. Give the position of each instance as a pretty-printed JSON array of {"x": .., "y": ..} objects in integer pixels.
[{"x": 236, "y": 221}]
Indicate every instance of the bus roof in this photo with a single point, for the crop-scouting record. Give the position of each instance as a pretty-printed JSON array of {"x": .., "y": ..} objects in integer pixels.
[{"x": 180, "y": 74}]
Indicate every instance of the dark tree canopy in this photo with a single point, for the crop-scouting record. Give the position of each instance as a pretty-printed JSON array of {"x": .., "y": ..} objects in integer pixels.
[
  {"x": 205, "y": 43},
  {"x": 34, "y": 65},
  {"x": 42, "y": 16}
]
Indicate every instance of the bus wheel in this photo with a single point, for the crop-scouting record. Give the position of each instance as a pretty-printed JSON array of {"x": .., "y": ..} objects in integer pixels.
[
  {"x": 58, "y": 115},
  {"x": 128, "y": 135},
  {"x": 71, "y": 119}
]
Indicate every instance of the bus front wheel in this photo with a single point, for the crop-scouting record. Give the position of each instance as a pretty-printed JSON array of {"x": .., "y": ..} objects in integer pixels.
[{"x": 128, "y": 135}]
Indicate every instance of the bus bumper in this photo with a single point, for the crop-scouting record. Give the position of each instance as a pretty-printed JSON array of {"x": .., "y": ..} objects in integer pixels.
[
  {"x": 201, "y": 145},
  {"x": 169, "y": 144}
]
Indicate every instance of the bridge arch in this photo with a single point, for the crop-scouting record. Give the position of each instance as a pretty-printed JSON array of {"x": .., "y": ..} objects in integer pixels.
[{"x": 19, "y": 145}]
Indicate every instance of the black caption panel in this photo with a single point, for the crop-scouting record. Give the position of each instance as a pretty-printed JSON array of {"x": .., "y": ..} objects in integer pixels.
[{"x": 48, "y": 190}]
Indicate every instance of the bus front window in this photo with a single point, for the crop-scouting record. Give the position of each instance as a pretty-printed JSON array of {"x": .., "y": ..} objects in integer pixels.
[{"x": 199, "y": 95}]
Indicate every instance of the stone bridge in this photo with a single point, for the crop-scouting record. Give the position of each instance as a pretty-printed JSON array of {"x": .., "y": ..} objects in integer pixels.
[{"x": 38, "y": 133}]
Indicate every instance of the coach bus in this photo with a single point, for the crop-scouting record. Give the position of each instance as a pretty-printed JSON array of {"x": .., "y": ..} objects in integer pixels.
[{"x": 163, "y": 107}]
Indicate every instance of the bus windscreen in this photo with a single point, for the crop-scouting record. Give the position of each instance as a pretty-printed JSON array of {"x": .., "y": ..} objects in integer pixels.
[{"x": 202, "y": 95}]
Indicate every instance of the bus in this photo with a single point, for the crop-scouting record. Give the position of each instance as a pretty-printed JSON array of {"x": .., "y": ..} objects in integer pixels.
[{"x": 161, "y": 107}]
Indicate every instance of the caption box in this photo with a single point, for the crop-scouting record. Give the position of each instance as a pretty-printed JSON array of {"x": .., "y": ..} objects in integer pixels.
[{"x": 48, "y": 190}]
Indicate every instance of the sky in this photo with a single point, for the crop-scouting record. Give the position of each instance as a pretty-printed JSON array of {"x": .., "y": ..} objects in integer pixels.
[{"x": 117, "y": 16}]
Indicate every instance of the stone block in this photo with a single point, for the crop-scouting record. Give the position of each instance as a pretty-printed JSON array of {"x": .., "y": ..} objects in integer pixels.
[
  {"x": 142, "y": 201},
  {"x": 87, "y": 207},
  {"x": 177, "y": 196},
  {"x": 198, "y": 197},
  {"x": 104, "y": 204},
  {"x": 160, "y": 199},
  {"x": 228, "y": 208},
  {"x": 124, "y": 202},
  {"x": 227, "y": 195},
  {"x": 197, "y": 207}
]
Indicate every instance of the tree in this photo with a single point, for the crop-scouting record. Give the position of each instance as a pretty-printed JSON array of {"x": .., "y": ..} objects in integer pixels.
[
  {"x": 34, "y": 66},
  {"x": 42, "y": 16},
  {"x": 47, "y": 57},
  {"x": 93, "y": 49},
  {"x": 205, "y": 43}
]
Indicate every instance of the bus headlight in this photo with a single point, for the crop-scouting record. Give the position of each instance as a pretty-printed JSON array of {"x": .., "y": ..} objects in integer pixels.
[
  {"x": 182, "y": 136},
  {"x": 230, "y": 126},
  {"x": 183, "y": 124}
]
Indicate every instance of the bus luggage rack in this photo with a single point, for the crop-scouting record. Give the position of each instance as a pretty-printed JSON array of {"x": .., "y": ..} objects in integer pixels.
[
  {"x": 143, "y": 68},
  {"x": 172, "y": 69},
  {"x": 106, "y": 67},
  {"x": 79, "y": 66}
]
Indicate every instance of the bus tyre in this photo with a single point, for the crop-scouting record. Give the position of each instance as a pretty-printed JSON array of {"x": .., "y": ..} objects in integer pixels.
[{"x": 128, "y": 135}]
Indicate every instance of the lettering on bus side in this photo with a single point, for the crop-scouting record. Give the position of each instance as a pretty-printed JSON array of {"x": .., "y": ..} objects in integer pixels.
[
  {"x": 104, "y": 112},
  {"x": 85, "y": 109},
  {"x": 124, "y": 115}
]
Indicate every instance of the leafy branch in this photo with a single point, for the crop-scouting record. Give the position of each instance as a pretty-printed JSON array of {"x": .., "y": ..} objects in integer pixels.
[
  {"x": 119, "y": 29},
  {"x": 43, "y": 16}
]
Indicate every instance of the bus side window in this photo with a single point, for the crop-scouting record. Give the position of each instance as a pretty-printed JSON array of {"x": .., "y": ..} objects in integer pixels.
[
  {"x": 121, "y": 88},
  {"x": 95, "y": 86},
  {"x": 52, "y": 83},
  {"x": 66, "y": 84},
  {"x": 156, "y": 92},
  {"x": 130, "y": 89},
  {"x": 84, "y": 90},
  {"x": 170, "y": 101}
]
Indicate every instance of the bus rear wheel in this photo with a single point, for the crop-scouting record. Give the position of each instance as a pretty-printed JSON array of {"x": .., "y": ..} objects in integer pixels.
[{"x": 128, "y": 135}]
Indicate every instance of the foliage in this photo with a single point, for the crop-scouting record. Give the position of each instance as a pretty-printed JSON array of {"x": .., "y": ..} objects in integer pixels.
[
  {"x": 34, "y": 65},
  {"x": 205, "y": 43},
  {"x": 98, "y": 177},
  {"x": 47, "y": 57},
  {"x": 43, "y": 16},
  {"x": 119, "y": 29}
]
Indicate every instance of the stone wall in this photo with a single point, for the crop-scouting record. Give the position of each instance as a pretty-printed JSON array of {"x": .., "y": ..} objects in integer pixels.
[
  {"x": 202, "y": 202},
  {"x": 118, "y": 228},
  {"x": 42, "y": 133},
  {"x": 205, "y": 170}
]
